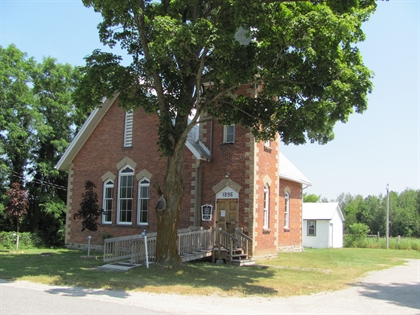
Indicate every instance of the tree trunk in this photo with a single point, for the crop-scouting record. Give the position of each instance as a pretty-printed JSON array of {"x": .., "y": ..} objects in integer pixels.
[
  {"x": 167, "y": 219},
  {"x": 17, "y": 234}
]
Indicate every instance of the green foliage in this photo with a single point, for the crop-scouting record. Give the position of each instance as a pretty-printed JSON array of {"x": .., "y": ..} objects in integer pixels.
[
  {"x": 303, "y": 53},
  {"x": 404, "y": 212},
  {"x": 358, "y": 230},
  {"x": 89, "y": 209},
  {"x": 405, "y": 243},
  {"x": 40, "y": 120},
  {"x": 26, "y": 240},
  {"x": 311, "y": 197}
]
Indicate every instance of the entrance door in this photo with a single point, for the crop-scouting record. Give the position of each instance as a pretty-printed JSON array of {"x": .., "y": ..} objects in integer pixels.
[
  {"x": 331, "y": 236},
  {"x": 227, "y": 214}
]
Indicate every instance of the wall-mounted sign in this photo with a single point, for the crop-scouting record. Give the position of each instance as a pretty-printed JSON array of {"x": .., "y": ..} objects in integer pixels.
[
  {"x": 227, "y": 193},
  {"x": 206, "y": 212}
]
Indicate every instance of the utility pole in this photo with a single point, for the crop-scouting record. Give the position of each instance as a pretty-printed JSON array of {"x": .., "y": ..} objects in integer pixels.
[{"x": 387, "y": 216}]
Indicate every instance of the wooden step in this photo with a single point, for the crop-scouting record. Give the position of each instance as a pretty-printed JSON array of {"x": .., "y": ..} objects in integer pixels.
[{"x": 243, "y": 262}]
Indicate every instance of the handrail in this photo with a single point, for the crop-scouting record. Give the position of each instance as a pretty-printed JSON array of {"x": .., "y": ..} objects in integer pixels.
[
  {"x": 242, "y": 235},
  {"x": 191, "y": 240},
  {"x": 225, "y": 240},
  {"x": 244, "y": 241}
]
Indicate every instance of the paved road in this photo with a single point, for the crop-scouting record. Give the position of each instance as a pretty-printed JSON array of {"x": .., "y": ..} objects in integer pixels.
[{"x": 391, "y": 291}]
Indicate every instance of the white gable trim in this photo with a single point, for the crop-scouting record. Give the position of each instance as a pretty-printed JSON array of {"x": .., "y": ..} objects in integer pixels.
[
  {"x": 290, "y": 172},
  {"x": 84, "y": 133}
]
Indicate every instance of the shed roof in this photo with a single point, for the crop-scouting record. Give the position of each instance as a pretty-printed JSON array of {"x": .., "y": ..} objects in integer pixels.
[
  {"x": 321, "y": 210},
  {"x": 288, "y": 171}
]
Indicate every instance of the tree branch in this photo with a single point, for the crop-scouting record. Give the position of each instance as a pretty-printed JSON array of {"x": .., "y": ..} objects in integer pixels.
[{"x": 139, "y": 18}]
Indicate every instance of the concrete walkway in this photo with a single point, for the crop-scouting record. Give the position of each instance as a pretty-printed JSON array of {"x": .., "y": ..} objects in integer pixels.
[{"x": 390, "y": 291}]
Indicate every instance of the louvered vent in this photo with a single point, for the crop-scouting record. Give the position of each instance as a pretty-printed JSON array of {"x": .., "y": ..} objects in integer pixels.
[{"x": 128, "y": 132}]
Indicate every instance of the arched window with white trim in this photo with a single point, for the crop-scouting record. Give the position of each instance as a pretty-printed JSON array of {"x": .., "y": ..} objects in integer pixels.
[
  {"x": 125, "y": 195},
  {"x": 107, "y": 202},
  {"x": 266, "y": 206},
  {"x": 143, "y": 204},
  {"x": 286, "y": 210}
]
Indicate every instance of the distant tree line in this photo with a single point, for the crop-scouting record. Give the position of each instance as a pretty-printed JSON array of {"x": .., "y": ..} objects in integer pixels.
[
  {"x": 37, "y": 121},
  {"x": 371, "y": 210}
]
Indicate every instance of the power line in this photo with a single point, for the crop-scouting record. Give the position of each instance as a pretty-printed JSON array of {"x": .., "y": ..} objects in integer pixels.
[{"x": 41, "y": 182}]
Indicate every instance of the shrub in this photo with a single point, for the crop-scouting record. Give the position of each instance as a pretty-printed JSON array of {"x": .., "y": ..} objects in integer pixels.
[
  {"x": 404, "y": 243},
  {"x": 26, "y": 240}
]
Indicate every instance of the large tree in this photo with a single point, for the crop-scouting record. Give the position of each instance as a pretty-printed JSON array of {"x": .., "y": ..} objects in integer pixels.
[
  {"x": 38, "y": 120},
  {"x": 18, "y": 117},
  {"x": 189, "y": 57}
]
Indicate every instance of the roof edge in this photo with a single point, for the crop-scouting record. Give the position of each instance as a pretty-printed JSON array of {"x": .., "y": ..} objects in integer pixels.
[{"x": 87, "y": 128}]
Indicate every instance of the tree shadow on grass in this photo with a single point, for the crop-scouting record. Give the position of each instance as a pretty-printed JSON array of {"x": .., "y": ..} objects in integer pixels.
[
  {"x": 67, "y": 269},
  {"x": 401, "y": 294},
  {"x": 81, "y": 292}
]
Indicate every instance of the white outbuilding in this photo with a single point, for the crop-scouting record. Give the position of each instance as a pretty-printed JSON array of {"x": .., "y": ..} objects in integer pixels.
[{"x": 323, "y": 225}]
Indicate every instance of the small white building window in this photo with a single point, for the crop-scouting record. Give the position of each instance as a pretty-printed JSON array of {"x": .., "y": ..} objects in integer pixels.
[
  {"x": 286, "y": 210},
  {"x": 143, "y": 204},
  {"x": 108, "y": 199},
  {"x": 266, "y": 206},
  {"x": 311, "y": 228},
  {"x": 125, "y": 195},
  {"x": 229, "y": 134},
  {"x": 128, "y": 129}
]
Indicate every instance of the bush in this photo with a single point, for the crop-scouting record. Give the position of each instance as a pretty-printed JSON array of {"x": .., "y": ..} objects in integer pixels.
[
  {"x": 404, "y": 243},
  {"x": 26, "y": 240}
]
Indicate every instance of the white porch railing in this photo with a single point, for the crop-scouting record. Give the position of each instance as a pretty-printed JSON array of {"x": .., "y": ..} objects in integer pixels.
[
  {"x": 132, "y": 247},
  {"x": 192, "y": 244},
  {"x": 120, "y": 248},
  {"x": 195, "y": 241}
]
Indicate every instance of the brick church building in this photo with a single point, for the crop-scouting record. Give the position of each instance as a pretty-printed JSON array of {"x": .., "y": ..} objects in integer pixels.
[{"x": 245, "y": 183}]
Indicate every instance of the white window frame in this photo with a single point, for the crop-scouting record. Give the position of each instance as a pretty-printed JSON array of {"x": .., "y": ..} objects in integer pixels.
[
  {"x": 266, "y": 206},
  {"x": 128, "y": 129},
  {"x": 229, "y": 133},
  {"x": 125, "y": 198},
  {"x": 143, "y": 201},
  {"x": 286, "y": 210},
  {"x": 108, "y": 201},
  {"x": 309, "y": 228}
]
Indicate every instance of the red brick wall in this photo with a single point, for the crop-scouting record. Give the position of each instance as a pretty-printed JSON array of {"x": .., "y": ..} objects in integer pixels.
[
  {"x": 293, "y": 235},
  {"x": 227, "y": 158},
  {"x": 267, "y": 174},
  {"x": 100, "y": 154},
  {"x": 104, "y": 149}
]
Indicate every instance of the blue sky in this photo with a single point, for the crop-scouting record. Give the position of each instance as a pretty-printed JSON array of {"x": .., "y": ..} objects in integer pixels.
[{"x": 379, "y": 147}]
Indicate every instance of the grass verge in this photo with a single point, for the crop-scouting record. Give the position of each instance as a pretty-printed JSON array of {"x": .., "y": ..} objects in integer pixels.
[{"x": 289, "y": 274}]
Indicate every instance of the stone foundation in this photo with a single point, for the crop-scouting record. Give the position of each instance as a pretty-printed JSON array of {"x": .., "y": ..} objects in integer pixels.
[
  {"x": 289, "y": 249},
  {"x": 93, "y": 248}
]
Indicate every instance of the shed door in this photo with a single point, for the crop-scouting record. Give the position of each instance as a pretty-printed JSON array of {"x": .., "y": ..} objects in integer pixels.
[
  {"x": 331, "y": 236},
  {"x": 227, "y": 214}
]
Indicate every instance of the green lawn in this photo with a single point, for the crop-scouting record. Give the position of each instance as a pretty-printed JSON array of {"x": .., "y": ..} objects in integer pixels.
[{"x": 290, "y": 274}]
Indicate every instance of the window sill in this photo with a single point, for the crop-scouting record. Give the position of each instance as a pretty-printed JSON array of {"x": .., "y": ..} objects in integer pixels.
[
  {"x": 287, "y": 229},
  {"x": 266, "y": 231},
  {"x": 267, "y": 149}
]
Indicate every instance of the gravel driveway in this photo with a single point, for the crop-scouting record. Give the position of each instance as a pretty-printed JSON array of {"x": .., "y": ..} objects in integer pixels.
[{"x": 390, "y": 291}]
